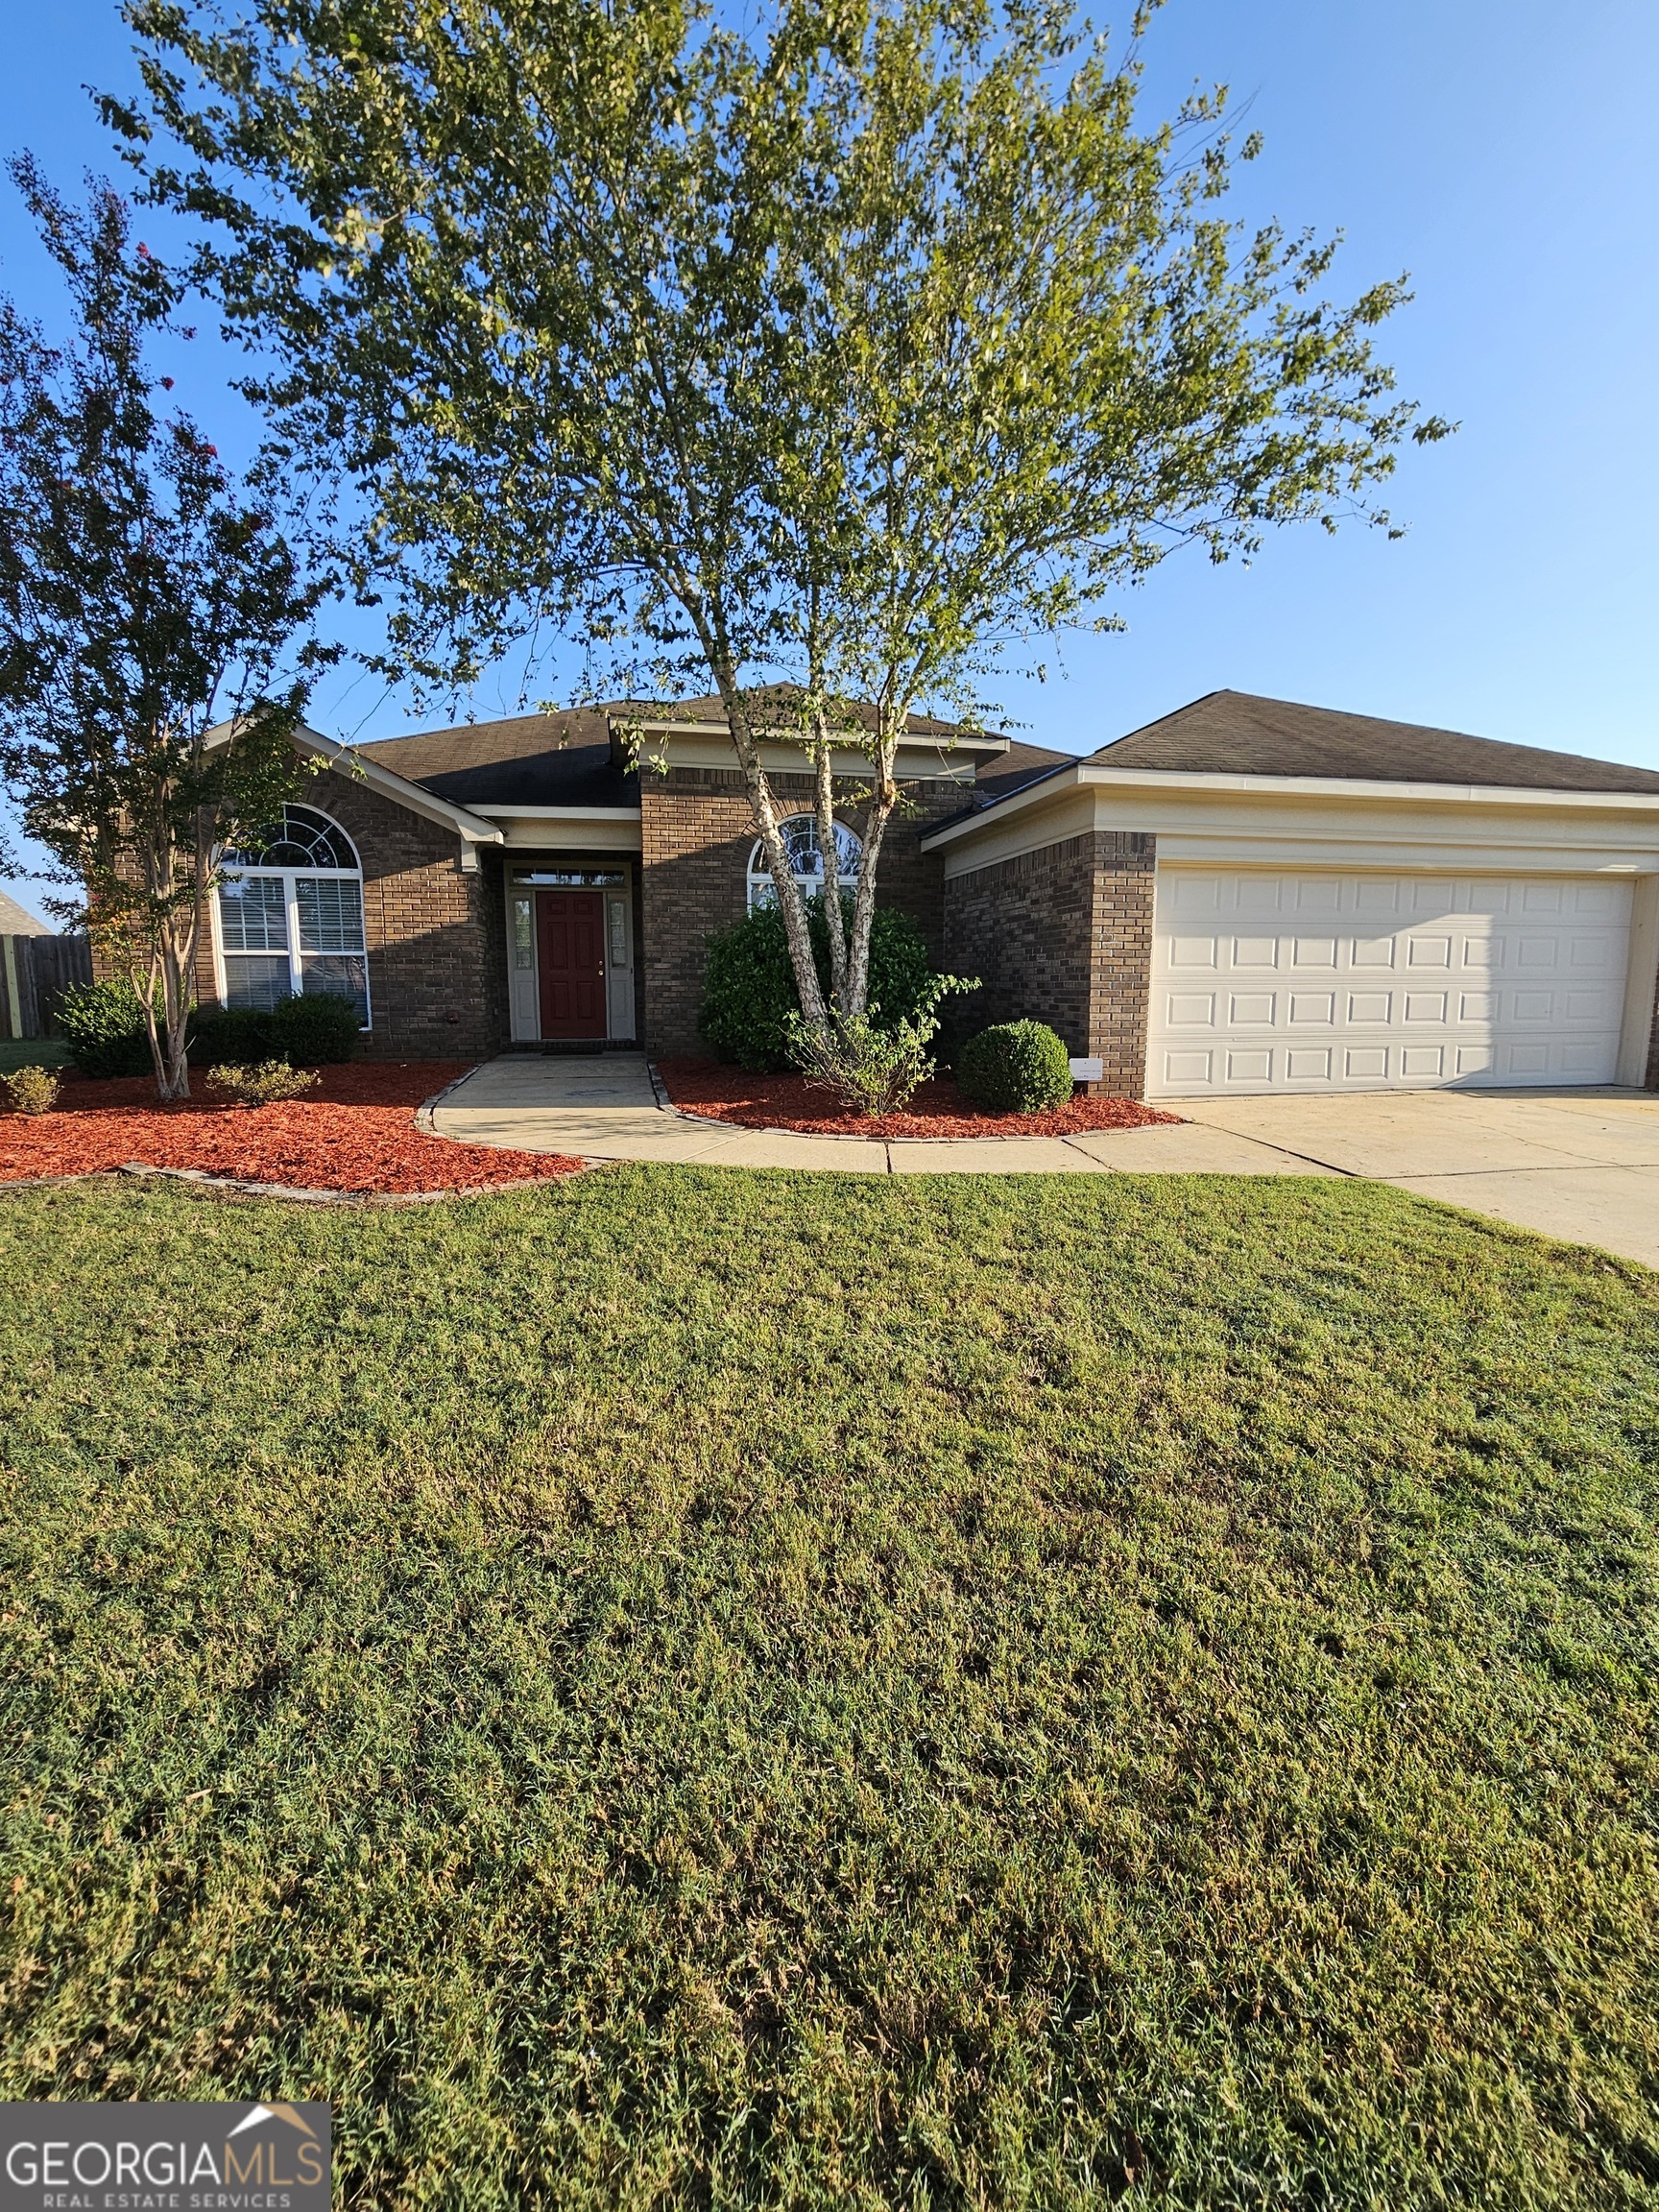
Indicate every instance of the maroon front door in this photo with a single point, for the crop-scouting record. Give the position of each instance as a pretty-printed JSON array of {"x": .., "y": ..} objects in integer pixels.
[{"x": 570, "y": 942}]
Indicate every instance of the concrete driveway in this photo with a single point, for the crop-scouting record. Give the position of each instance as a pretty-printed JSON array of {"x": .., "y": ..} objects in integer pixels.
[{"x": 1579, "y": 1164}]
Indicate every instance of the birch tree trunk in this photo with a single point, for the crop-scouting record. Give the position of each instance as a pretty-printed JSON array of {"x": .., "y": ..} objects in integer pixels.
[
  {"x": 834, "y": 918},
  {"x": 765, "y": 813},
  {"x": 883, "y": 798}
]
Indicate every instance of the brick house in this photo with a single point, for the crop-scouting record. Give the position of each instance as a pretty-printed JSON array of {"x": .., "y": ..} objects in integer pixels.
[{"x": 1245, "y": 896}]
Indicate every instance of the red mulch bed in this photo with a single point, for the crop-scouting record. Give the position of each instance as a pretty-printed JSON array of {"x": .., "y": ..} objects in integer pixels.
[
  {"x": 717, "y": 1094},
  {"x": 354, "y": 1131}
]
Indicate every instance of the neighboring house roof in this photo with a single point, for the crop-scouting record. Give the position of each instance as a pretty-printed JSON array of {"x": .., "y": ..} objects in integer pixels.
[
  {"x": 1237, "y": 734},
  {"x": 17, "y": 921}
]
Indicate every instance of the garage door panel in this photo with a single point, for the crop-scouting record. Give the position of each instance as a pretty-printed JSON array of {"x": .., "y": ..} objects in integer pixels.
[
  {"x": 1312, "y": 951},
  {"x": 1309, "y": 1063},
  {"x": 1366, "y": 1064},
  {"x": 1194, "y": 952},
  {"x": 1320, "y": 981},
  {"x": 1372, "y": 952}
]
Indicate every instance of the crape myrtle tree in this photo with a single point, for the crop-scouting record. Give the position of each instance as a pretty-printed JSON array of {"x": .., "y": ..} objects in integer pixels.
[
  {"x": 147, "y": 614},
  {"x": 822, "y": 359}
]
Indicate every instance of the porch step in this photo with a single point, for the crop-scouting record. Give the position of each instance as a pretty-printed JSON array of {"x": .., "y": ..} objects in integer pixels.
[{"x": 573, "y": 1047}]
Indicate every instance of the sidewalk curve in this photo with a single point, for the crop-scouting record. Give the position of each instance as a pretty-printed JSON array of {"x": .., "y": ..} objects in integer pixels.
[{"x": 1579, "y": 1165}]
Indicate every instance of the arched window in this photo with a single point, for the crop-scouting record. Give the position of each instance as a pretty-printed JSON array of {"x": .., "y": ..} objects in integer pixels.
[
  {"x": 800, "y": 835},
  {"x": 291, "y": 915}
]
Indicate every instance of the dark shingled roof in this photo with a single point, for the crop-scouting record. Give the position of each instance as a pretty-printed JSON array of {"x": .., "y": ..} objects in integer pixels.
[
  {"x": 528, "y": 761},
  {"x": 1020, "y": 765},
  {"x": 565, "y": 759},
  {"x": 1236, "y": 734}
]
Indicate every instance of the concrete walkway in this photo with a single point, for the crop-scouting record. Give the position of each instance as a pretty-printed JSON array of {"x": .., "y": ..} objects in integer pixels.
[{"x": 1579, "y": 1164}]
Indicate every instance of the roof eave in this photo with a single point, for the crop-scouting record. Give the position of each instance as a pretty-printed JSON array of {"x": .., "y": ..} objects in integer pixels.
[
  {"x": 472, "y": 828},
  {"x": 1417, "y": 790},
  {"x": 1091, "y": 775},
  {"x": 670, "y": 726},
  {"x": 551, "y": 812}
]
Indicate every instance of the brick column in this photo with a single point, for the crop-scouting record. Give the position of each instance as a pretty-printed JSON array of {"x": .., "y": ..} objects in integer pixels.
[
  {"x": 1120, "y": 957},
  {"x": 1062, "y": 935}
]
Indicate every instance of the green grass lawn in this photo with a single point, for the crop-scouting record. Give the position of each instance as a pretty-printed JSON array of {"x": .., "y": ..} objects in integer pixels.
[
  {"x": 693, "y": 1689},
  {"x": 31, "y": 1053}
]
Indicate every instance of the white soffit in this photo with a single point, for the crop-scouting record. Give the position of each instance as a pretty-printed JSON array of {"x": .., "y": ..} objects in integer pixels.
[
  {"x": 569, "y": 829},
  {"x": 708, "y": 745}
]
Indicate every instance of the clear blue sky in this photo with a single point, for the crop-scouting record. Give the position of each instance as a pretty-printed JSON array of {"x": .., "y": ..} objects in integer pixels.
[{"x": 1501, "y": 151}]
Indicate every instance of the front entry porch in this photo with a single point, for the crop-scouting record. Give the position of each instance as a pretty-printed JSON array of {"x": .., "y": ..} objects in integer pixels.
[{"x": 570, "y": 953}]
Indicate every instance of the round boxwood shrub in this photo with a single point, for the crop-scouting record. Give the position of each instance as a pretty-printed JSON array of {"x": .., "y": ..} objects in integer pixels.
[
  {"x": 103, "y": 1027},
  {"x": 1018, "y": 1068},
  {"x": 318, "y": 1030},
  {"x": 749, "y": 987}
]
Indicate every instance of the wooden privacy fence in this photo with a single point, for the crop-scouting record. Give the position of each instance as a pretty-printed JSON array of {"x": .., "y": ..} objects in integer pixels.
[{"x": 34, "y": 972}]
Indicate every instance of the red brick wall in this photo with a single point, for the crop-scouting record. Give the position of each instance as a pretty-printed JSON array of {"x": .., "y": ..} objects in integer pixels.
[
  {"x": 1062, "y": 935},
  {"x": 698, "y": 833}
]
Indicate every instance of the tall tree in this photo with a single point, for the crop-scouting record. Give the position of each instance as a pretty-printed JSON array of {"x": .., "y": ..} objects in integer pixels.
[
  {"x": 148, "y": 685},
  {"x": 844, "y": 351},
  {"x": 1033, "y": 359}
]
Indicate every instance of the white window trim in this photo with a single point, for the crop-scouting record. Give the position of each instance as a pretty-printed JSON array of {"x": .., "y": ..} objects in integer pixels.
[
  {"x": 291, "y": 910},
  {"x": 759, "y": 880}
]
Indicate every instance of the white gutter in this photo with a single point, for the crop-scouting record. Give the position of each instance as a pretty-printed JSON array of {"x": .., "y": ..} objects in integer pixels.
[
  {"x": 561, "y": 813},
  {"x": 780, "y": 734}
]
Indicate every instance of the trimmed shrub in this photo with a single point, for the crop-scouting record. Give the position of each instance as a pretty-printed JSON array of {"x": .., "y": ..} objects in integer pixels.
[
  {"x": 103, "y": 1025},
  {"x": 872, "y": 1072},
  {"x": 1018, "y": 1068},
  {"x": 266, "y": 1085},
  {"x": 749, "y": 997},
  {"x": 319, "y": 1030},
  {"x": 227, "y": 1035},
  {"x": 30, "y": 1090}
]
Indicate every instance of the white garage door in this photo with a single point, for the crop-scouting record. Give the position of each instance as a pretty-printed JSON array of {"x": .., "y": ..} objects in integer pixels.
[{"x": 1263, "y": 981}]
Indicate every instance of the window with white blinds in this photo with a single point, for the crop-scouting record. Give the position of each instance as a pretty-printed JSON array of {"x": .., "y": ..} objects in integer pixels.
[{"x": 291, "y": 916}]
